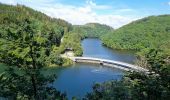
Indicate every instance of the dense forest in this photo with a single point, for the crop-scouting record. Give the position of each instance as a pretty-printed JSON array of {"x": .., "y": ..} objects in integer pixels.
[
  {"x": 14, "y": 26},
  {"x": 29, "y": 41},
  {"x": 150, "y": 32},
  {"x": 92, "y": 30}
]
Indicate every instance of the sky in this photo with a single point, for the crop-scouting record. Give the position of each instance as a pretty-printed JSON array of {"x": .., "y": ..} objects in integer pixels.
[{"x": 115, "y": 13}]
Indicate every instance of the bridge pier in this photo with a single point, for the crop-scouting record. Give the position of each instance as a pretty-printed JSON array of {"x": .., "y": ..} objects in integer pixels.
[{"x": 101, "y": 63}]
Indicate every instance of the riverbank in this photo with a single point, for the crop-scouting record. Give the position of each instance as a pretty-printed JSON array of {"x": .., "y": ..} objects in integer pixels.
[
  {"x": 66, "y": 62},
  {"x": 66, "y": 56}
]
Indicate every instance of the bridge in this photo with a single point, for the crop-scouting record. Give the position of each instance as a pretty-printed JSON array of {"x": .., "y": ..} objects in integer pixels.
[{"x": 109, "y": 63}]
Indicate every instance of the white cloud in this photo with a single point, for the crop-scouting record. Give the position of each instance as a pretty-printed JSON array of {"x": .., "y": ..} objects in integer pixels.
[
  {"x": 95, "y": 6},
  {"x": 115, "y": 21},
  {"x": 75, "y": 15},
  {"x": 83, "y": 15}
]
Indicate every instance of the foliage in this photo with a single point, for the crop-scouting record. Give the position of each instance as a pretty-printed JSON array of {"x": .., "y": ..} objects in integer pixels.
[
  {"x": 28, "y": 42},
  {"x": 150, "y": 32},
  {"x": 139, "y": 86},
  {"x": 92, "y": 29},
  {"x": 18, "y": 86},
  {"x": 48, "y": 32},
  {"x": 72, "y": 41}
]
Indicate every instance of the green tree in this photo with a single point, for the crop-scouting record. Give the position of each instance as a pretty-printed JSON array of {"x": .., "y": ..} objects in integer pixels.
[{"x": 26, "y": 49}]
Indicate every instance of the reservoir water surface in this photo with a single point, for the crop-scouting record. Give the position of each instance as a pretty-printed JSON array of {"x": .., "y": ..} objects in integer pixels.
[{"x": 78, "y": 79}]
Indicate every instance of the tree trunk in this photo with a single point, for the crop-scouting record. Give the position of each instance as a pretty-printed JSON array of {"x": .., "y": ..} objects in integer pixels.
[
  {"x": 34, "y": 86},
  {"x": 33, "y": 77}
]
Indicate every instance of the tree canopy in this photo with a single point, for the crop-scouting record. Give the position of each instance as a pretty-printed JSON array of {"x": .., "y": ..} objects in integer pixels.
[
  {"x": 28, "y": 42},
  {"x": 92, "y": 29},
  {"x": 149, "y": 32}
]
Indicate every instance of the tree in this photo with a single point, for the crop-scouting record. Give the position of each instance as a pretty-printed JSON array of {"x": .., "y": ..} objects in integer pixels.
[{"x": 26, "y": 49}]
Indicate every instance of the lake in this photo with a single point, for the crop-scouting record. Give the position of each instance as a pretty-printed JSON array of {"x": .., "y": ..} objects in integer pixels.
[{"x": 78, "y": 79}]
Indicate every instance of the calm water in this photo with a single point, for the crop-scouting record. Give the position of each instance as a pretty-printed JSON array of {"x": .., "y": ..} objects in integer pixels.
[
  {"x": 93, "y": 48},
  {"x": 78, "y": 79}
]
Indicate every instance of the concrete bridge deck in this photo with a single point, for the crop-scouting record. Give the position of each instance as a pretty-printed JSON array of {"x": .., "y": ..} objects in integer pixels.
[{"x": 110, "y": 63}]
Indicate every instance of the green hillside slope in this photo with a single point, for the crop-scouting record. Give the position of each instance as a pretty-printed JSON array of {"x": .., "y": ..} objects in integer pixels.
[
  {"x": 20, "y": 24},
  {"x": 150, "y": 32}
]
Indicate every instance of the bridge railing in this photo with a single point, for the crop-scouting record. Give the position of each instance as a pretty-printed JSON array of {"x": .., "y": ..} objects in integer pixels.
[{"x": 112, "y": 62}]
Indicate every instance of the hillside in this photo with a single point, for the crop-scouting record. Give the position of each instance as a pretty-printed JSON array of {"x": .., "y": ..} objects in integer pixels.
[
  {"x": 92, "y": 29},
  {"x": 20, "y": 24},
  {"x": 29, "y": 42},
  {"x": 150, "y": 32}
]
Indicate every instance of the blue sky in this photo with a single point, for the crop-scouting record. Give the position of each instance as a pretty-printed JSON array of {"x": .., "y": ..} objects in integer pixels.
[{"x": 115, "y": 13}]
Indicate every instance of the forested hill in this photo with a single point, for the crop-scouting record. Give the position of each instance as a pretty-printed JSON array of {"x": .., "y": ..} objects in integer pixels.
[
  {"x": 29, "y": 42},
  {"x": 18, "y": 14},
  {"x": 150, "y": 32},
  {"x": 22, "y": 27},
  {"x": 92, "y": 29}
]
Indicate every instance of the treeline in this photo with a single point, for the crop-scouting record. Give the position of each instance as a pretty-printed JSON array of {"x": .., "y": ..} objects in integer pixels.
[{"x": 94, "y": 30}]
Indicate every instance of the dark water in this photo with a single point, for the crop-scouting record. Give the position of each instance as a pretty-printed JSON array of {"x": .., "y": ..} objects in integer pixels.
[
  {"x": 93, "y": 48},
  {"x": 78, "y": 79}
]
